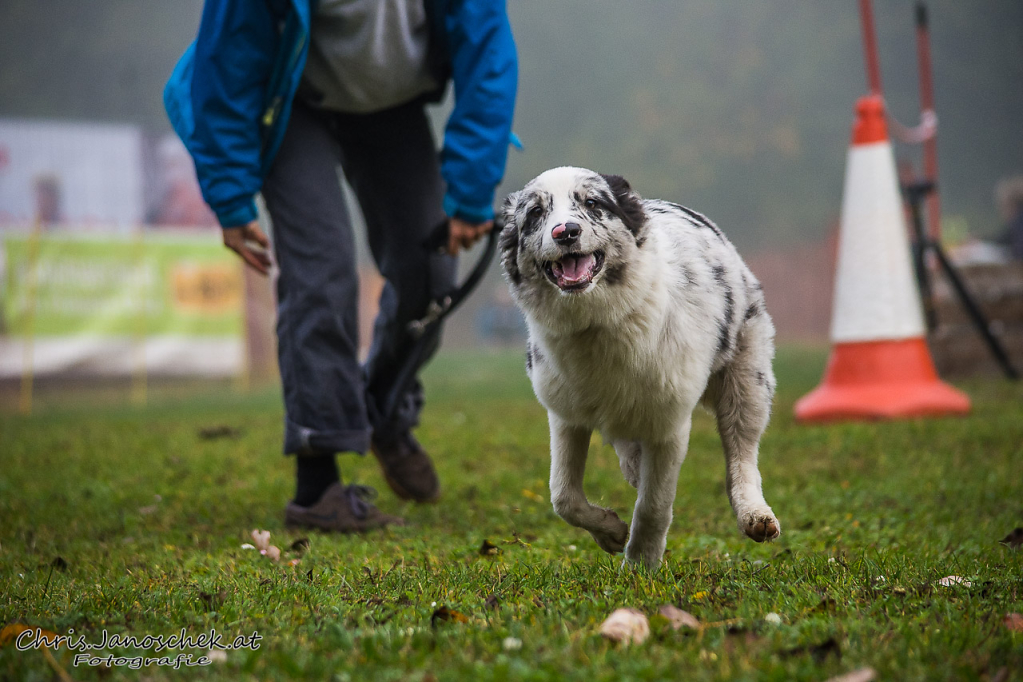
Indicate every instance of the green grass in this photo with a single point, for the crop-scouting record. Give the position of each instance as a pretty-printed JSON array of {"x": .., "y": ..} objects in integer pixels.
[{"x": 149, "y": 519}]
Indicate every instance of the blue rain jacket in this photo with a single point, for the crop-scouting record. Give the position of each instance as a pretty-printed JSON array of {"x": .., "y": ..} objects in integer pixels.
[{"x": 230, "y": 96}]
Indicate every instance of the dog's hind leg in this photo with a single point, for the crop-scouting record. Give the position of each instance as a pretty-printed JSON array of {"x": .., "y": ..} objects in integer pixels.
[
  {"x": 629, "y": 453},
  {"x": 659, "y": 465},
  {"x": 741, "y": 394},
  {"x": 569, "y": 446}
]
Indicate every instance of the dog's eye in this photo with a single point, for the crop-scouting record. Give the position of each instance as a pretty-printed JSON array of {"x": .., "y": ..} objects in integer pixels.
[
  {"x": 536, "y": 211},
  {"x": 591, "y": 203}
]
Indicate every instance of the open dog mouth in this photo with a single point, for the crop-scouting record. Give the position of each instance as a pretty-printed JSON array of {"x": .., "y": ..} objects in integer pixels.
[{"x": 574, "y": 271}]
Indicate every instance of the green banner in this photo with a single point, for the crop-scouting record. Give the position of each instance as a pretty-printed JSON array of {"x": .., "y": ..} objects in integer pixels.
[{"x": 151, "y": 284}]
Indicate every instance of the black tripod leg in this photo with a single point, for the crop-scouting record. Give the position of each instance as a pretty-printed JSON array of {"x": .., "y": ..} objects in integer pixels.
[
  {"x": 979, "y": 321},
  {"x": 923, "y": 278}
]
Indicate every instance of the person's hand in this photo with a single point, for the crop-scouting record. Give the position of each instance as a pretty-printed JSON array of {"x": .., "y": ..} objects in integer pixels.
[
  {"x": 244, "y": 239},
  {"x": 464, "y": 234}
]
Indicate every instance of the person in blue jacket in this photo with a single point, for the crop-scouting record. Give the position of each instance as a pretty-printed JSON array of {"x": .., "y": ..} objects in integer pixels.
[{"x": 274, "y": 97}]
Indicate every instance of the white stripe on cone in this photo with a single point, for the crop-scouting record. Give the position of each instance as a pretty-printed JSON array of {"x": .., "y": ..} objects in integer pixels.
[{"x": 875, "y": 290}]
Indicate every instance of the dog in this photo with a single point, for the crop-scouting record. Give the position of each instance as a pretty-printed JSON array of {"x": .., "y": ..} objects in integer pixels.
[{"x": 638, "y": 309}]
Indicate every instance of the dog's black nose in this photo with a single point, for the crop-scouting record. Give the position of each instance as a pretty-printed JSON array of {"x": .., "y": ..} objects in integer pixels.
[{"x": 566, "y": 234}]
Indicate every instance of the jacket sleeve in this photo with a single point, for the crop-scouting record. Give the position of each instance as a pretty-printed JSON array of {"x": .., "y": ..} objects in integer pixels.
[
  {"x": 233, "y": 58},
  {"x": 485, "y": 74}
]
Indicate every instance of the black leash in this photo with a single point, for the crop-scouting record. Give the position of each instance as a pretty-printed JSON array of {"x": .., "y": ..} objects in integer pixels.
[{"x": 423, "y": 332}]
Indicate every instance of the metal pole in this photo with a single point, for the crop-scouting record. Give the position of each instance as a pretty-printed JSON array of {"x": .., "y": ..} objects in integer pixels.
[
  {"x": 870, "y": 47},
  {"x": 923, "y": 52}
]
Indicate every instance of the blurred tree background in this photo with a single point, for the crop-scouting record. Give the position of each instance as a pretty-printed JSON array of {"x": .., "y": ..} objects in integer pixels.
[{"x": 740, "y": 109}]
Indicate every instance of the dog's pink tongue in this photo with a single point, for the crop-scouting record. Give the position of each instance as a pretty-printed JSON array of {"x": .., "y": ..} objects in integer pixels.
[{"x": 576, "y": 267}]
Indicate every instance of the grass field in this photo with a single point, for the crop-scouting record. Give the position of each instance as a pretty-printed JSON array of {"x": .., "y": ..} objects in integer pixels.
[{"x": 131, "y": 520}]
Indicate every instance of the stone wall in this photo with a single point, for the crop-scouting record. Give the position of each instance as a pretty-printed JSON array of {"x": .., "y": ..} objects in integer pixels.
[{"x": 957, "y": 346}]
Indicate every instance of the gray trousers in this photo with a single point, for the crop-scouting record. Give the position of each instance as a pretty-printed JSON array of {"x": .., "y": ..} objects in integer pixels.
[{"x": 331, "y": 402}]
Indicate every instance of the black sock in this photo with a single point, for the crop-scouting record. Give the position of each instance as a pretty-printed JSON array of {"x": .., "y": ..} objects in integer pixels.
[{"x": 316, "y": 473}]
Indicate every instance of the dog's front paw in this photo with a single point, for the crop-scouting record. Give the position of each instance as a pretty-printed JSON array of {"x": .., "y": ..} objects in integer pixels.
[
  {"x": 612, "y": 534},
  {"x": 760, "y": 526},
  {"x": 644, "y": 556}
]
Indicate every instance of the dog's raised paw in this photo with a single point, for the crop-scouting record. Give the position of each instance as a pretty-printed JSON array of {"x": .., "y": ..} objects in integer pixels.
[
  {"x": 762, "y": 527},
  {"x": 613, "y": 533}
]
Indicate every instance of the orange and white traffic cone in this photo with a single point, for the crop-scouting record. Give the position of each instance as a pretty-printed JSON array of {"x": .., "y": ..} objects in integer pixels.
[{"x": 880, "y": 366}]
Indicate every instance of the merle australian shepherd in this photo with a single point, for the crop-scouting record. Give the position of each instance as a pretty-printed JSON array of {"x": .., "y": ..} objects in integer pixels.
[{"x": 637, "y": 310}]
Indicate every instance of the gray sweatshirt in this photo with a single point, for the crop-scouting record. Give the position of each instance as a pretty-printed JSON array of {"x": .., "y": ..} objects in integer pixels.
[{"x": 367, "y": 55}]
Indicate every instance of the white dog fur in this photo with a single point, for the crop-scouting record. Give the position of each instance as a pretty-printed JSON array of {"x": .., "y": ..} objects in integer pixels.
[{"x": 637, "y": 309}]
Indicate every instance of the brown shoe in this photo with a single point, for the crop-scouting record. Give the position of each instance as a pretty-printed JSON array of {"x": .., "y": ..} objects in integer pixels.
[
  {"x": 406, "y": 467},
  {"x": 341, "y": 510}
]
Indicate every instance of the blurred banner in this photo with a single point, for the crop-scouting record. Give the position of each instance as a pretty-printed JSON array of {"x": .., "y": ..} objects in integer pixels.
[
  {"x": 80, "y": 173},
  {"x": 96, "y": 177},
  {"x": 120, "y": 304}
]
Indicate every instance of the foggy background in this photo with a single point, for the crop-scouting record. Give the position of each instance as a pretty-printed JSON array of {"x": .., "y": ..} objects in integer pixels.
[{"x": 739, "y": 109}]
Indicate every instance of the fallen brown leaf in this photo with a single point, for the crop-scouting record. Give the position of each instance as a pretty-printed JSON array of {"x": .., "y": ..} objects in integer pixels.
[
  {"x": 516, "y": 540},
  {"x": 10, "y": 633},
  {"x": 212, "y": 601},
  {"x": 370, "y": 575},
  {"x": 261, "y": 538},
  {"x": 858, "y": 675},
  {"x": 819, "y": 651},
  {"x": 954, "y": 581},
  {"x": 1013, "y": 621},
  {"x": 530, "y": 495},
  {"x": 829, "y": 605},
  {"x": 1002, "y": 675},
  {"x": 445, "y": 615},
  {"x": 678, "y": 618},
  {"x": 1014, "y": 539},
  {"x": 627, "y": 626},
  {"x": 215, "y": 432},
  {"x": 923, "y": 589}
]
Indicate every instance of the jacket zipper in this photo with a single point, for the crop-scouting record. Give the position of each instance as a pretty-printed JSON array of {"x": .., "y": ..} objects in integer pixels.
[{"x": 274, "y": 108}]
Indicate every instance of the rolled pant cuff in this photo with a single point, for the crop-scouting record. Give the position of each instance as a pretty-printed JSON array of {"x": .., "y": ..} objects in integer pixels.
[{"x": 302, "y": 440}]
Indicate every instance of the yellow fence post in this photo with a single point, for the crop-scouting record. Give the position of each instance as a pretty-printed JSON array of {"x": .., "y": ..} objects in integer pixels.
[
  {"x": 27, "y": 360},
  {"x": 140, "y": 375},
  {"x": 245, "y": 377}
]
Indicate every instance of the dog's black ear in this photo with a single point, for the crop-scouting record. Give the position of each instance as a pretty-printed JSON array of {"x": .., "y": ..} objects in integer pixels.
[
  {"x": 630, "y": 205},
  {"x": 509, "y": 240}
]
